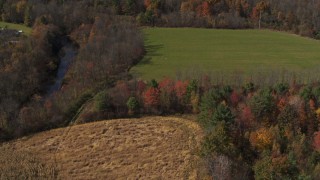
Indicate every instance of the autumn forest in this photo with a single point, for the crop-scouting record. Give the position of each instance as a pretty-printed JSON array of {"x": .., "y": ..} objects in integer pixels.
[{"x": 251, "y": 130}]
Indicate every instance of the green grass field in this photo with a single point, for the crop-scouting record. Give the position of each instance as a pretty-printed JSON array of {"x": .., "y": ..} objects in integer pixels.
[
  {"x": 26, "y": 30},
  {"x": 172, "y": 50}
]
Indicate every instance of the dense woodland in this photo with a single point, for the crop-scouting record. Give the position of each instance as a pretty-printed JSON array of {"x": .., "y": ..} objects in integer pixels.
[
  {"x": 297, "y": 16},
  {"x": 251, "y": 131}
]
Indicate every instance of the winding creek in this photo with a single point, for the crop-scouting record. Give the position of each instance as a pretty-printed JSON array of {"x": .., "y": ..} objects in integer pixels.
[{"x": 69, "y": 52}]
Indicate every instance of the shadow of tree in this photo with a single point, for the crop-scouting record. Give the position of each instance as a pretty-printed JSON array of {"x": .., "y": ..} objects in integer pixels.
[
  {"x": 145, "y": 61},
  {"x": 151, "y": 51}
]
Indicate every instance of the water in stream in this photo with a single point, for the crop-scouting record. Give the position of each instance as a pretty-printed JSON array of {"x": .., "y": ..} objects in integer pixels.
[{"x": 69, "y": 52}]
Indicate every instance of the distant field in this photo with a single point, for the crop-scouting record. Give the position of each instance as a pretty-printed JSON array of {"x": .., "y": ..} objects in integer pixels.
[
  {"x": 170, "y": 50},
  {"x": 146, "y": 148},
  {"x": 24, "y": 28}
]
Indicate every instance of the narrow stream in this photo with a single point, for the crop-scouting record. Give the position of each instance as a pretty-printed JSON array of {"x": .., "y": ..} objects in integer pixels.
[{"x": 69, "y": 52}]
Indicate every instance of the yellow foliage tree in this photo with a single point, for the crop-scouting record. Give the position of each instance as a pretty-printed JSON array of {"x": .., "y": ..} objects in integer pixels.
[
  {"x": 261, "y": 139},
  {"x": 21, "y": 6}
]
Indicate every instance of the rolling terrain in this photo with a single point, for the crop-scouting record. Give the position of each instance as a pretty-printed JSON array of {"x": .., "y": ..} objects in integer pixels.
[
  {"x": 151, "y": 148},
  {"x": 170, "y": 50}
]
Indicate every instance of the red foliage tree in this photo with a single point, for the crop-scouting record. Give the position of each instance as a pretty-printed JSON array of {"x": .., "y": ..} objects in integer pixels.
[
  {"x": 204, "y": 9},
  {"x": 246, "y": 117},
  {"x": 181, "y": 89},
  {"x": 152, "y": 97},
  {"x": 316, "y": 141},
  {"x": 302, "y": 116},
  {"x": 234, "y": 98},
  {"x": 312, "y": 104},
  {"x": 48, "y": 104},
  {"x": 141, "y": 86},
  {"x": 147, "y": 3},
  {"x": 123, "y": 88},
  {"x": 90, "y": 66},
  {"x": 259, "y": 8},
  {"x": 120, "y": 93},
  {"x": 206, "y": 83},
  {"x": 255, "y": 13},
  {"x": 167, "y": 85}
]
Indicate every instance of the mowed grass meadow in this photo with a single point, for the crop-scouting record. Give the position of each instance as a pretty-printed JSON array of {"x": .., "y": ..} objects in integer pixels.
[
  {"x": 26, "y": 30},
  {"x": 172, "y": 50}
]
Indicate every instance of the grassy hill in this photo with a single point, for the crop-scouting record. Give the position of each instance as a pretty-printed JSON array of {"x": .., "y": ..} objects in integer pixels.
[
  {"x": 26, "y": 30},
  {"x": 180, "y": 49},
  {"x": 148, "y": 148}
]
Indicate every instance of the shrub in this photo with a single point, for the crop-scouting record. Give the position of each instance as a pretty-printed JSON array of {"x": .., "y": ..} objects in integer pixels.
[
  {"x": 218, "y": 141},
  {"x": 248, "y": 88},
  {"x": 281, "y": 88},
  {"x": 226, "y": 92},
  {"x": 73, "y": 109},
  {"x": 192, "y": 89},
  {"x": 154, "y": 83},
  {"x": 281, "y": 167},
  {"x": 263, "y": 168},
  {"x": 192, "y": 86},
  {"x": 316, "y": 94},
  {"x": 262, "y": 104},
  {"x": 223, "y": 114},
  {"x": 194, "y": 99},
  {"x": 288, "y": 116},
  {"x": 306, "y": 93},
  {"x": 133, "y": 105},
  {"x": 102, "y": 101},
  {"x": 208, "y": 105}
]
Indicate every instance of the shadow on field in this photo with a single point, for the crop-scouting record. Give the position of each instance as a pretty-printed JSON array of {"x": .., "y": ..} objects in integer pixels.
[
  {"x": 152, "y": 50},
  {"x": 145, "y": 61}
]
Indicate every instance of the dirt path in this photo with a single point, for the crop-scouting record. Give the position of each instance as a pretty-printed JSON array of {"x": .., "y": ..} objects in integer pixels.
[{"x": 146, "y": 148}]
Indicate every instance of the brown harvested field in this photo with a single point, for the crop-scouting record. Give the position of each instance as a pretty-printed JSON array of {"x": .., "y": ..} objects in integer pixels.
[{"x": 146, "y": 148}]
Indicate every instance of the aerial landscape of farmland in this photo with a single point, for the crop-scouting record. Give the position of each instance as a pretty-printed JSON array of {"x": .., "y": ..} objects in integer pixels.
[{"x": 160, "y": 89}]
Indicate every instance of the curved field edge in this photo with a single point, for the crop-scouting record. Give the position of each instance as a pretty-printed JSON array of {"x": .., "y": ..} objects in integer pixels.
[
  {"x": 150, "y": 147},
  {"x": 172, "y": 51}
]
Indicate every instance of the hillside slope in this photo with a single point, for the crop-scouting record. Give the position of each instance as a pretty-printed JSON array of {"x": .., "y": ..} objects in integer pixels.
[{"x": 152, "y": 147}]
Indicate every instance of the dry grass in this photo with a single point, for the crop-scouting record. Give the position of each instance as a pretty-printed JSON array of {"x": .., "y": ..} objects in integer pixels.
[
  {"x": 23, "y": 165},
  {"x": 146, "y": 148}
]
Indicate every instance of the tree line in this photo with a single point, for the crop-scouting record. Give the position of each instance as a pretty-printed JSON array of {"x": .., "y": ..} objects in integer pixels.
[{"x": 297, "y": 16}]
